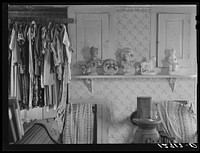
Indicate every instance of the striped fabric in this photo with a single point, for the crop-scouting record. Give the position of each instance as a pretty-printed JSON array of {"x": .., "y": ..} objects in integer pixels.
[
  {"x": 78, "y": 127},
  {"x": 36, "y": 135},
  {"x": 178, "y": 120}
]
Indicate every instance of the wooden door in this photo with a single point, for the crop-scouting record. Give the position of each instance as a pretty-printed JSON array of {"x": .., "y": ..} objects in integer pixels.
[
  {"x": 92, "y": 30},
  {"x": 173, "y": 32}
]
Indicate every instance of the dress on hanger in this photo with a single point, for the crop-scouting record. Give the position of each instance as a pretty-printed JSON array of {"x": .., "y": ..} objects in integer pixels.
[{"x": 24, "y": 77}]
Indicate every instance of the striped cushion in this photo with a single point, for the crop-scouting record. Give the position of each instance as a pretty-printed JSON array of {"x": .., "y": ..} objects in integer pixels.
[
  {"x": 36, "y": 135},
  {"x": 178, "y": 120}
]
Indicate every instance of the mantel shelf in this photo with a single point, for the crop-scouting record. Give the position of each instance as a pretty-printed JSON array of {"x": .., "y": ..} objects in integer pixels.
[
  {"x": 130, "y": 76},
  {"x": 171, "y": 78}
]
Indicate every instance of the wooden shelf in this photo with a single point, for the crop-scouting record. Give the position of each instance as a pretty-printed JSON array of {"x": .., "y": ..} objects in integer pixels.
[
  {"x": 130, "y": 76},
  {"x": 88, "y": 79}
]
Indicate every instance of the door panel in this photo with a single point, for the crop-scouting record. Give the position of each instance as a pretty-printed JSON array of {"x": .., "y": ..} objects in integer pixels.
[
  {"x": 173, "y": 32},
  {"x": 92, "y": 30}
]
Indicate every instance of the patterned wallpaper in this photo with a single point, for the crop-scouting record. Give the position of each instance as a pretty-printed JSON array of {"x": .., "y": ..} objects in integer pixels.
[
  {"x": 121, "y": 97},
  {"x": 133, "y": 31}
]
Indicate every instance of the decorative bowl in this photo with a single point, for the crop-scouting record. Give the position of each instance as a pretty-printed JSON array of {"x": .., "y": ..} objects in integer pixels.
[{"x": 110, "y": 67}]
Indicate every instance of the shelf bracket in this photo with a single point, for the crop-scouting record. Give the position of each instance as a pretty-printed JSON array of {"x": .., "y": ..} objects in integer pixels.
[
  {"x": 88, "y": 83},
  {"x": 172, "y": 82}
]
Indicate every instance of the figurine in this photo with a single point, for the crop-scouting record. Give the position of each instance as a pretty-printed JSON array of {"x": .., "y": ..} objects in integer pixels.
[
  {"x": 85, "y": 69},
  {"x": 94, "y": 62},
  {"x": 91, "y": 67},
  {"x": 173, "y": 63},
  {"x": 149, "y": 67},
  {"x": 128, "y": 63},
  {"x": 94, "y": 54}
]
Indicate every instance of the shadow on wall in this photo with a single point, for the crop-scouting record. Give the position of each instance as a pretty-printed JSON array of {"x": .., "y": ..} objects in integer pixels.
[{"x": 86, "y": 52}]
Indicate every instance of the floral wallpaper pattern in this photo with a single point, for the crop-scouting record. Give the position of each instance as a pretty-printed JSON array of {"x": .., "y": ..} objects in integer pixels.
[
  {"x": 121, "y": 97},
  {"x": 133, "y": 31}
]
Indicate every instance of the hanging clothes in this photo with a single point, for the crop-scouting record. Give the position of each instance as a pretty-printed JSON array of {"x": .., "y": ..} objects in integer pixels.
[
  {"x": 15, "y": 62},
  {"x": 62, "y": 109},
  {"x": 67, "y": 44},
  {"x": 13, "y": 48},
  {"x": 36, "y": 85},
  {"x": 49, "y": 69},
  {"x": 10, "y": 26},
  {"x": 57, "y": 48},
  {"x": 31, "y": 35},
  {"x": 24, "y": 76},
  {"x": 40, "y": 93},
  {"x": 23, "y": 45},
  {"x": 38, "y": 56},
  {"x": 48, "y": 75},
  {"x": 60, "y": 68},
  {"x": 25, "y": 91},
  {"x": 67, "y": 74},
  {"x": 35, "y": 66},
  {"x": 37, "y": 48},
  {"x": 39, "y": 64},
  {"x": 43, "y": 51}
]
